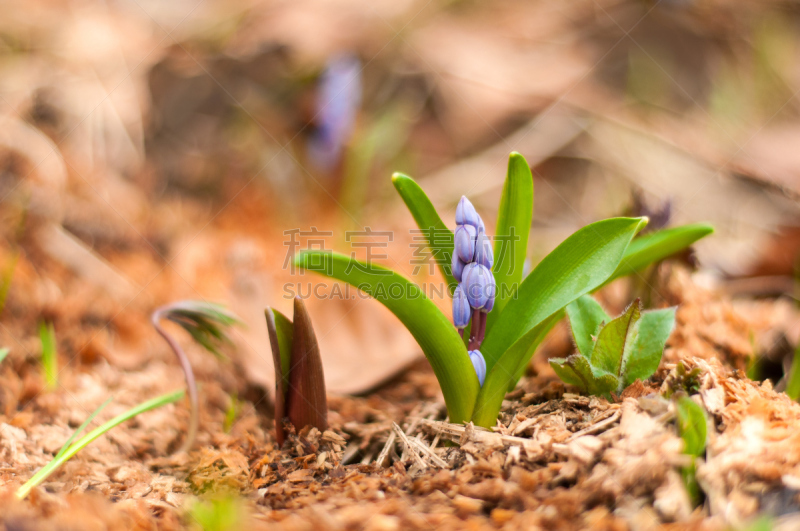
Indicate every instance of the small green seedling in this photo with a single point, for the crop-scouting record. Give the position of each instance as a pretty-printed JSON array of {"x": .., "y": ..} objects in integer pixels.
[
  {"x": 793, "y": 378},
  {"x": 613, "y": 353},
  {"x": 47, "y": 335},
  {"x": 206, "y": 323},
  {"x": 692, "y": 425},
  {"x": 3, "y": 353},
  {"x": 231, "y": 413},
  {"x": 65, "y": 455},
  {"x": 510, "y": 314},
  {"x": 299, "y": 380}
]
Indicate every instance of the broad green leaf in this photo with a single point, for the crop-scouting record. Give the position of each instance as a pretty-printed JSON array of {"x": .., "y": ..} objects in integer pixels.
[
  {"x": 615, "y": 338},
  {"x": 659, "y": 245},
  {"x": 692, "y": 426},
  {"x": 542, "y": 330},
  {"x": 433, "y": 331},
  {"x": 577, "y": 370},
  {"x": 580, "y": 264},
  {"x": 514, "y": 219},
  {"x": 440, "y": 238},
  {"x": 643, "y": 358},
  {"x": 585, "y": 318}
]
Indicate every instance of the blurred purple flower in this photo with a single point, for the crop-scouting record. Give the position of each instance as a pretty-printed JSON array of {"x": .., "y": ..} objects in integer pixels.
[{"x": 337, "y": 105}]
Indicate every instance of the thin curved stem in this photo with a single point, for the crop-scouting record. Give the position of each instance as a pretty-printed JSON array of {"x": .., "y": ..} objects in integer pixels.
[{"x": 191, "y": 383}]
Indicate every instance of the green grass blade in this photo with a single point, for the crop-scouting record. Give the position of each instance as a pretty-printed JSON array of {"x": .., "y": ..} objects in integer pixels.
[
  {"x": 47, "y": 335},
  {"x": 793, "y": 380},
  {"x": 83, "y": 426},
  {"x": 440, "y": 238},
  {"x": 511, "y": 236},
  {"x": 659, "y": 245},
  {"x": 84, "y": 441},
  {"x": 3, "y": 353},
  {"x": 433, "y": 331},
  {"x": 576, "y": 267}
]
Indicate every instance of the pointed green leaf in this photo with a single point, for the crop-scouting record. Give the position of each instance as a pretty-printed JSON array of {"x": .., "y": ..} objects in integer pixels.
[
  {"x": 440, "y": 238},
  {"x": 659, "y": 245},
  {"x": 614, "y": 338},
  {"x": 585, "y": 318},
  {"x": 511, "y": 235},
  {"x": 692, "y": 426},
  {"x": 433, "y": 331},
  {"x": 642, "y": 359},
  {"x": 577, "y": 371},
  {"x": 580, "y": 264},
  {"x": 281, "y": 332}
]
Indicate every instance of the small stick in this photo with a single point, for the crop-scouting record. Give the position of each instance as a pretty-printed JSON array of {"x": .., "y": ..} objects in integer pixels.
[{"x": 386, "y": 448}]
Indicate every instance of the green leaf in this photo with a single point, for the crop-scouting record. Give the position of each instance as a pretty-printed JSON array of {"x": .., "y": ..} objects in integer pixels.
[
  {"x": 579, "y": 265},
  {"x": 692, "y": 426},
  {"x": 83, "y": 427},
  {"x": 615, "y": 338},
  {"x": 586, "y": 316},
  {"x": 642, "y": 360},
  {"x": 206, "y": 322},
  {"x": 47, "y": 336},
  {"x": 84, "y": 441},
  {"x": 577, "y": 370},
  {"x": 281, "y": 333},
  {"x": 659, "y": 245},
  {"x": 514, "y": 219},
  {"x": 440, "y": 238},
  {"x": 432, "y": 330}
]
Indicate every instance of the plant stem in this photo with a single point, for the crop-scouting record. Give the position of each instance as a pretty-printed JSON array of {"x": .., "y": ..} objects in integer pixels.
[
  {"x": 474, "y": 330},
  {"x": 50, "y": 467},
  {"x": 191, "y": 383},
  {"x": 793, "y": 379}
]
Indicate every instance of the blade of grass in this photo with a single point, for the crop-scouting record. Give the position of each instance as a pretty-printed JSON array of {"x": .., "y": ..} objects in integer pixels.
[
  {"x": 793, "y": 380},
  {"x": 84, "y": 441},
  {"x": 83, "y": 427},
  {"x": 514, "y": 219},
  {"x": 440, "y": 238},
  {"x": 47, "y": 335},
  {"x": 433, "y": 331}
]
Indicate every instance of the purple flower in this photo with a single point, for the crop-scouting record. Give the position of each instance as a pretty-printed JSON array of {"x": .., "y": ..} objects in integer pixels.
[
  {"x": 466, "y": 214},
  {"x": 465, "y": 242},
  {"x": 457, "y": 267},
  {"x": 479, "y": 363},
  {"x": 479, "y": 285},
  {"x": 461, "y": 308},
  {"x": 483, "y": 250}
]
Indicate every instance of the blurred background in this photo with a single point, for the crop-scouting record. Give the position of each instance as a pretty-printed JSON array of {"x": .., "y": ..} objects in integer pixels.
[{"x": 151, "y": 151}]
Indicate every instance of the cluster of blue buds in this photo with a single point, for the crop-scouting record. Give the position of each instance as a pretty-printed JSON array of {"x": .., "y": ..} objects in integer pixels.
[{"x": 472, "y": 268}]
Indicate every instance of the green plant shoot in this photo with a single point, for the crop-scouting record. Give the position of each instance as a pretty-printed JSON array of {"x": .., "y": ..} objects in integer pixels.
[
  {"x": 47, "y": 336},
  {"x": 84, "y": 441},
  {"x": 692, "y": 426},
  {"x": 613, "y": 353}
]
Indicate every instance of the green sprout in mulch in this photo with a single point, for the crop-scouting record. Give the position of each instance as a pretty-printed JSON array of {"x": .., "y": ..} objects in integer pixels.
[
  {"x": 70, "y": 449},
  {"x": 613, "y": 353},
  {"x": 510, "y": 313},
  {"x": 299, "y": 380},
  {"x": 47, "y": 336},
  {"x": 692, "y": 425},
  {"x": 206, "y": 323},
  {"x": 793, "y": 378}
]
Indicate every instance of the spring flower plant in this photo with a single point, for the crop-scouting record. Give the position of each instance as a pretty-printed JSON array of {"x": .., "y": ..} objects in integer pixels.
[{"x": 508, "y": 313}]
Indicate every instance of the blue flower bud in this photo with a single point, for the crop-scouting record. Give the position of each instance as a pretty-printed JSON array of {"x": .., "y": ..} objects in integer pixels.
[
  {"x": 479, "y": 284},
  {"x": 479, "y": 363},
  {"x": 483, "y": 250},
  {"x": 457, "y": 267},
  {"x": 465, "y": 242},
  {"x": 461, "y": 308},
  {"x": 492, "y": 289},
  {"x": 466, "y": 213}
]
